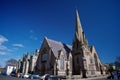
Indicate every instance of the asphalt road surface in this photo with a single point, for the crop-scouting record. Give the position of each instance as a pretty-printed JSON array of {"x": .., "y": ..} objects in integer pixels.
[{"x": 2, "y": 77}]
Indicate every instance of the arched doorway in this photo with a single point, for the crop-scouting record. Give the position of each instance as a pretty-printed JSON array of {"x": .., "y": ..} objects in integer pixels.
[{"x": 43, "y": 69}]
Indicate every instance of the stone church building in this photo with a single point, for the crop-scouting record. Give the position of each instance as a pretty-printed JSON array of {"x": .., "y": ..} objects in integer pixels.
[
  {"x": 61, "y": 59},
  {"x": 27, "y": 63}
]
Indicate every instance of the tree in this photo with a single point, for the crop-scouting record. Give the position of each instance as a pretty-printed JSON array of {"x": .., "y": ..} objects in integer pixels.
[
  {"x": 11, "y": 61},
  {"x": 118, "y": 59},
  {"x": 117, "y": 62}
]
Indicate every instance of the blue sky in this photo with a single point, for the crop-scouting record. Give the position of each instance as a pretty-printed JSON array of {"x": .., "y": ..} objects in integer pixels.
[{"x": 24, "y": 23}]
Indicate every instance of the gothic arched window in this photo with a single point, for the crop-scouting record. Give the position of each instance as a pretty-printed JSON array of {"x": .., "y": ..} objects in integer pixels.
[
  {"x": 91, "y": 60},
  {"x": 70, "y": 63},
  {"x": 62, "y": 62},
  {"x": 44, "y": 55},
  {"x": 96, "y": 62}
]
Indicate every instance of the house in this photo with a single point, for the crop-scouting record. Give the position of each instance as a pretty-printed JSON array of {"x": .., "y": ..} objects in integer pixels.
[{"x": 9, "y": 69}]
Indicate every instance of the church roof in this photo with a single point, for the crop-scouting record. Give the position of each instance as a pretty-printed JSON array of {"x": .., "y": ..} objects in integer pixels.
[{"x": 57, "y": 46}]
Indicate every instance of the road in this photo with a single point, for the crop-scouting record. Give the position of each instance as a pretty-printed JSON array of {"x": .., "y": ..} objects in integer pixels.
[{"x": 2, "y": 77}]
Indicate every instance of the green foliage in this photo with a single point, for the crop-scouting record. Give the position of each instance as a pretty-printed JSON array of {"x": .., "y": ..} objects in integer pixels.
[
  {"x": 117, "y": 62},
  {"x": 1, "y": 69},
  {"x": 118, "y": 59},
  {"x": 11, "y": 61}
]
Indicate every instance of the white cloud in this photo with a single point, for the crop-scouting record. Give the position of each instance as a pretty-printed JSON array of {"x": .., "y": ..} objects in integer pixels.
[
  {"x": 2, "y": 39},
  {"x": 15, "y": 48},
  {"x": 33, "y": 37},
  {"x": 3, "y": 53},
  {"x": 31, "y": 31},
  {"x": 18, "y": 45},
  {"x": 2, "y": 47}
]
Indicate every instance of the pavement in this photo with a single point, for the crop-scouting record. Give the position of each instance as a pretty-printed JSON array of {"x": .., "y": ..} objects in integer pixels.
[
  {"x": 91, "y": 78},
  {"x": 3, "y": 77}
]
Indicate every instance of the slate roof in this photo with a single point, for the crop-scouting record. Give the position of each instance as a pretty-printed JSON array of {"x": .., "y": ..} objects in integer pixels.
[{"x": 57, "y": 46}]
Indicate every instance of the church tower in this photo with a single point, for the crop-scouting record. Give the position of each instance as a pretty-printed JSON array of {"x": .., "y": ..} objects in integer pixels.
[
  {"x": 79, "y": 38},
  {"x": 78, "y": 49}
]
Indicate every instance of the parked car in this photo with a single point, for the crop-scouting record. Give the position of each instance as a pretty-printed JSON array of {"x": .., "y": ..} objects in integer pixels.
[
  {"x": 12, "y": 74},
  {"x": 50, "y": 77},
  {"x": 54, "y": 77},
  {"x": 25, "y": 76},
  {"x": 17, "y": 75},
  {"x": 45, "y": 77},
  {"x": 34, "y": 76}
]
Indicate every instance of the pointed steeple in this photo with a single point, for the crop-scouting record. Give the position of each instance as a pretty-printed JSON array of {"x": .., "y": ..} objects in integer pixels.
[{"x": 79, "y": 31}]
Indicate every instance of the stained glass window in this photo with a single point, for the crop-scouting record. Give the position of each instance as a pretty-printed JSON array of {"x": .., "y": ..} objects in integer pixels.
[
  {"x": 96, "y": 63},
  {"x": 62, "y": 62}
]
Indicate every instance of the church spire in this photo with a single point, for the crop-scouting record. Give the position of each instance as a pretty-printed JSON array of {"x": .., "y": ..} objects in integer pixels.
[{"x": 78, "y": 31}]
